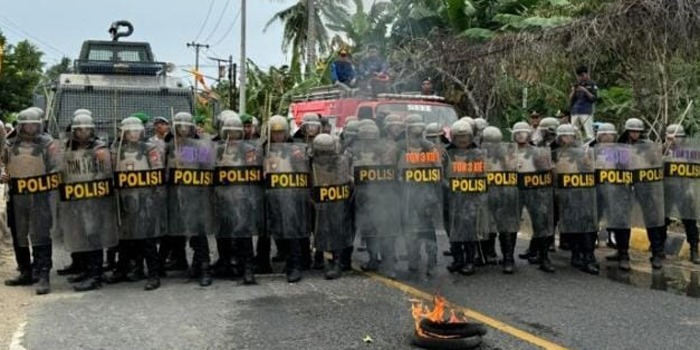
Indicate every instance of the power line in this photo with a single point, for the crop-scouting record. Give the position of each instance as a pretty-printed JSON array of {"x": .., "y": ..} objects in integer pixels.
[
  {"x": 18, "y": 28},
  {"x": 211, "y": 5},
  {"x": 230, "y": 28},
  {"x": 218, "y": 21}
]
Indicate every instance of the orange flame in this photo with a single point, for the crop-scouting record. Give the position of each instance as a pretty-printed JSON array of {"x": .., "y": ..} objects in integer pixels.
[{"x": 420, "y": 311}]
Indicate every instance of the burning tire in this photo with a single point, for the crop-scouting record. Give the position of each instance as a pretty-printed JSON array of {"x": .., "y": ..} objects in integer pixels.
[
  {"x": 446, "y": 343},
  {"x": 453, "y": 330}
]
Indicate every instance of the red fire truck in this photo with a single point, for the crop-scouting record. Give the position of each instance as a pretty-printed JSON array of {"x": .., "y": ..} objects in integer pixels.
[{"x": 337, "y": 103}]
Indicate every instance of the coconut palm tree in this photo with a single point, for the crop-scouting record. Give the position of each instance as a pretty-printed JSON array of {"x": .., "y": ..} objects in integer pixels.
[{"x": 295, "y": 22}]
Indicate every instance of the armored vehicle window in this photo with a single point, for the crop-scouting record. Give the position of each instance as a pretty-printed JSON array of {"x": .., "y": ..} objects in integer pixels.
[
  {"x": 131, "y": 55},
  {"x": 100, "y": 55}
]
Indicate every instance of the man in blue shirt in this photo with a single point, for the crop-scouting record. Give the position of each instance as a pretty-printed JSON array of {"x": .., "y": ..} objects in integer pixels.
[
  {"x": 342, "y": 69},
  {"x": 583, "y": 96}
]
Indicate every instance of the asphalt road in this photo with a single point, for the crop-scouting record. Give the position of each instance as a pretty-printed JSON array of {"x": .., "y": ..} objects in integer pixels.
[{"x": 568, "y": 309}]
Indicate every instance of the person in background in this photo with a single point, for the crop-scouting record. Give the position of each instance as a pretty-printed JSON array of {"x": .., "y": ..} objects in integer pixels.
[
  {"x": 426, "y": 87},
  {"x": 342, "y": 69},
  {"x": 582, "y": 99}
]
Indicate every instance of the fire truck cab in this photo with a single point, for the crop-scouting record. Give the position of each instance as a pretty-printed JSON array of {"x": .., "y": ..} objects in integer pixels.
[{"x": 337, "y": 104}]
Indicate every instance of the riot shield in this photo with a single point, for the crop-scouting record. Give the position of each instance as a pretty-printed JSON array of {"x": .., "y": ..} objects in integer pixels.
[
  {"x": 34, "y": 181},
  {"x": 190, "y": 179},
  {"x": 377, "y": 201},
  {"x": 420, "y": 172},
  {"x": 502, "y": 178},
  {"x": 331, "y": 198},
  {"x": 467, "y": 195},
  {"x": 575, "y": 191},
  {"x": 535, "y": 188},
  {"x": 613, "y": 165},
  {"x": 648, "y": 185},
  {"x": 87, "y": 211},
  {"x": 286, "y": 173},
  {"x": 682, "y": 179},
  {"x": 139, "y": 180},
  {"x": 238, "y": 209}
]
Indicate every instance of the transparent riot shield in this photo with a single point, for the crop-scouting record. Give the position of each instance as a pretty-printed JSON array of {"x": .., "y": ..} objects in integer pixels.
[
  {"x": 613, "y": 166},
  {"x": 648, "y": 185},
  {"x": 535, "y": 188},
  {"x": 139, "y": 180},
  {"x": 377, "y": 203},
  {"x": 190, "y": 179},
  {"x": 682, "y": 179},
  {"x": 467, "y": 195},
  {"x": 34, "y": 181},
  {"x": 286, "y": 173},
  {"x": 331, "y": 198},
  {"x": 238, "y": 205},
  {"x": 87, "y": 211},
  {"x": 421, "y": 177},
  {"x": 575, "y": 191},
  {"x": 502, "y": 176}
]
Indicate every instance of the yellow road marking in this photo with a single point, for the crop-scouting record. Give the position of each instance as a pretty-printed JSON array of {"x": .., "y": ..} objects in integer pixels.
[{"x": 489, "y": 321}]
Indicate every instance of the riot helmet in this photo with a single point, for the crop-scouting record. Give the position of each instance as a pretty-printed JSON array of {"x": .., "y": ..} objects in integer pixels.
[
  {"x": 492, "y": 134},
  {"x": 521, "y": 132}
]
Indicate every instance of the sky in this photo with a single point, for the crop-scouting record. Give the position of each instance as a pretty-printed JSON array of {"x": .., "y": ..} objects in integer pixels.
[{"x": 58, "y": 28}]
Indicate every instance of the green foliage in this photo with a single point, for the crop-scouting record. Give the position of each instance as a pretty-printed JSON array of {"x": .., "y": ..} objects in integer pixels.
[{"x": 21, "y": 71}]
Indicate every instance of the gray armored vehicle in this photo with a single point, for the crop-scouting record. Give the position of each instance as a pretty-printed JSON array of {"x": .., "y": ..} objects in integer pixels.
[{"x": 115, "y": 79}]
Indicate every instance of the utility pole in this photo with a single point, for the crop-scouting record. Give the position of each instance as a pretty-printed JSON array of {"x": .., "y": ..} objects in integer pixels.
[
  {"x": 196, "y": 46},
  {"x": 232, "y": 81},
  {"x": 242, "y": 64},
  {"x": 310, "y": 37}
]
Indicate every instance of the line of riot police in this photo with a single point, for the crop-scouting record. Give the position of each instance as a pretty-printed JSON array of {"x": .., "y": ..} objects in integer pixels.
[{"x": 389, "y": 185}]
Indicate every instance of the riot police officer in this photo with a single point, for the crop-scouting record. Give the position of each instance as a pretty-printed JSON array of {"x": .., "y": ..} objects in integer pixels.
[
  {"x": 190, "y": 164},
  {"x": 238, "y": 191},
  {"x": 576, "y": 198},
  {"x": 535, "y": 184},
  {"x": 503, "y": 208},
  {"x": 286, "y": 172},
  {"x": 648, "y": 190},
  {"x": 331, "y": 198},
  {"x": 420, "y": 167},
  {"x": 376, "y": 210},
  {"x": 140, "y": 181},
  {"x": 466, "y": 197},
  {"x": 86, "y": 211},
  {"x": 680, "y": 185},
  {"x": 32, "y": 159}
]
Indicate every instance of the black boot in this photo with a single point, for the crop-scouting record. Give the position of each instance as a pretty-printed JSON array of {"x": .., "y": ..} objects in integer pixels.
[
  {"x": 694, "y": 256},
  {"x": 622, "y": 241},
  {"x": 294, "y": 260},
  {"x": 457, "y": 257},
  {"x": 123, "y": 264},
  {"x": 94, "y": 272},
  {"x": 587, "y": 247},
  {"x": 346, "y": 258},
  {"x": 73, "y": 268},
  {"x": 469, "y": 251},
  {"x": 262, "y": 255},
  {"x": 244, "y": 253},
  {"x": 42, "y": 260},
  {"x": 544, "y": 245},
  {"x": 333, "y": 267},
  {"x": 43, "y": 287},
  {"x": 112, "y": 257},
  {"x": 149, "y": 251},
  {"x": 318, "y": 261},
  {"x": 222, "y": 267},
  {"x": 24, "y": 279},
  {"x": 574, "y": 243},
  {"x": 507, "y": 241},
  {"x": 205, "y": 277},
  {"x": 530, "y": 253},
  {"x": 657, "y": 240},
  {"x": 306, "y": 257},
  {"x": 624, "y": 261},
  {"x": 490, "y": 250}
]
